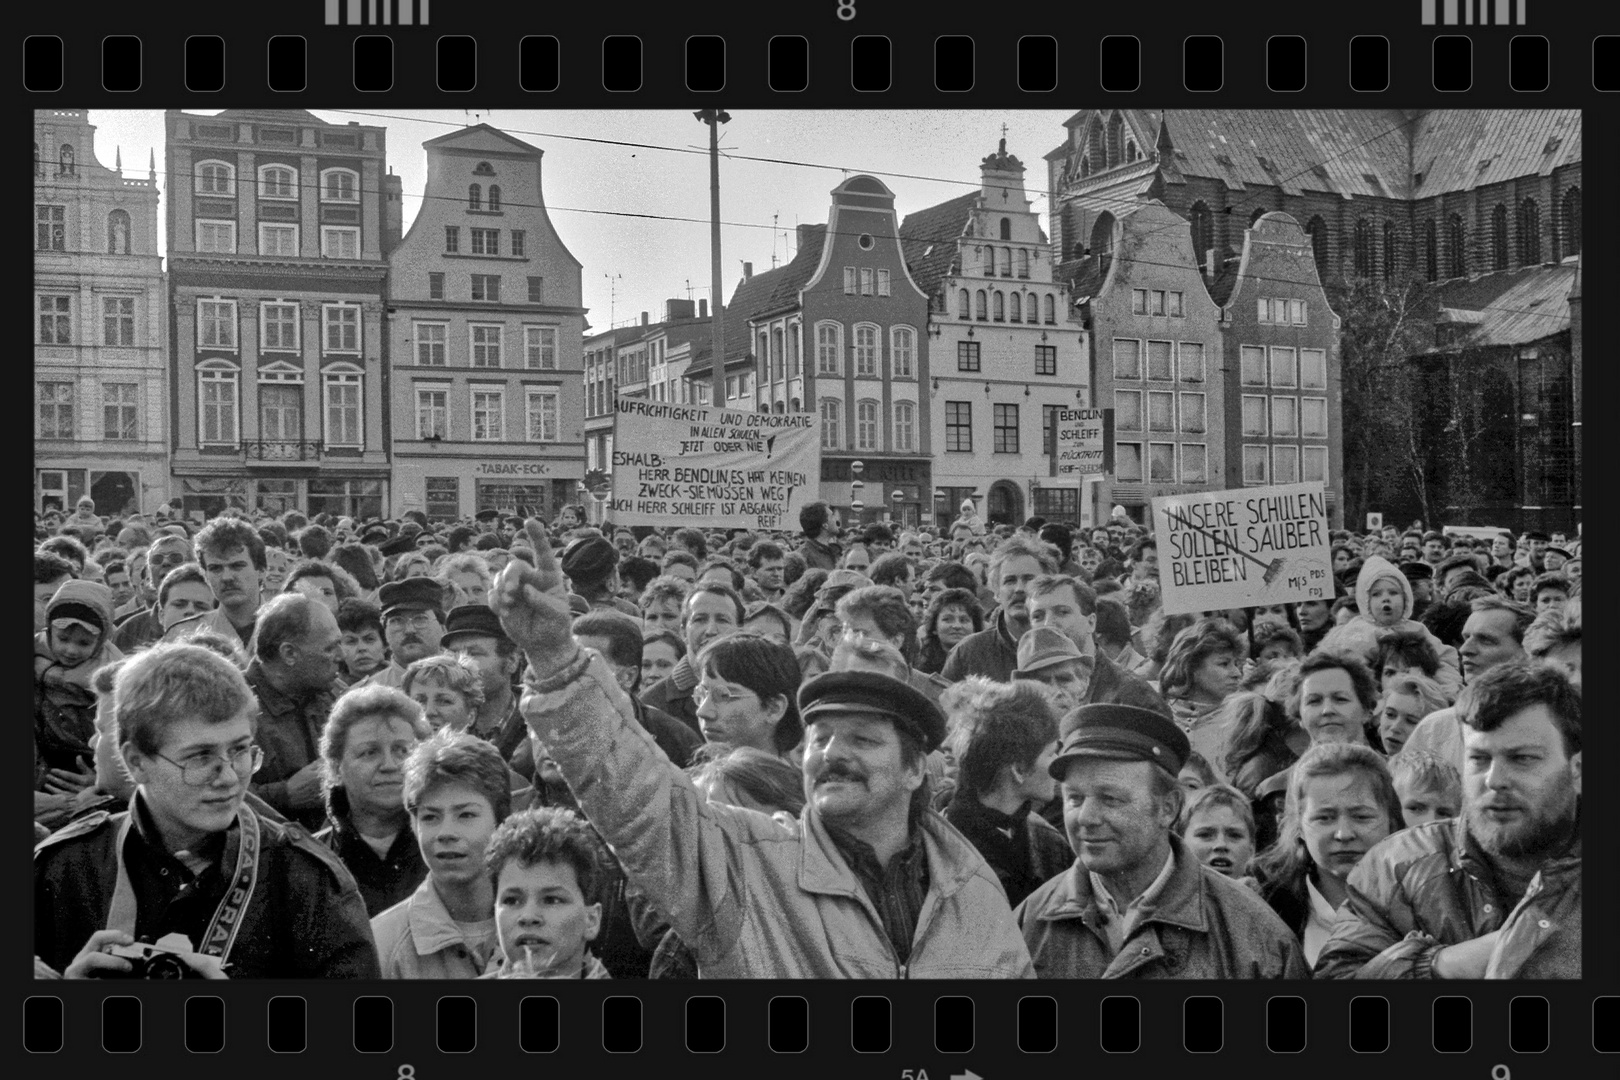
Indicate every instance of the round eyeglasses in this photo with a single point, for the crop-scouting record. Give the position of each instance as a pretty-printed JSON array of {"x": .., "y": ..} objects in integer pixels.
[{"x": 202, "y": 768}]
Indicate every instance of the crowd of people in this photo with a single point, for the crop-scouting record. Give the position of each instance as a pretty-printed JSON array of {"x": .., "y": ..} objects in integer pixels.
[{"x": 271, "y": 746}]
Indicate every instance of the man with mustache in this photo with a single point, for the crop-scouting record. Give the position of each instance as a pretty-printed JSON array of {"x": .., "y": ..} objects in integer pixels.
[
  {"x": 1495, "y": 893},
  {"x": 413, "y": 624},
  {"x": 993, "y": 651},
  {"x": 232, "y": 555},
  {"x": 868, "y": 882}
]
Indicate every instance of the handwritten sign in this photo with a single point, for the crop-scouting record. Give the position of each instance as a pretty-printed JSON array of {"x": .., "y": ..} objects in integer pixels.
[
  {"x": 1084, "y": 442},
  {"x": 725, "y": 468},
  {"x": 1243, "y": 548}
]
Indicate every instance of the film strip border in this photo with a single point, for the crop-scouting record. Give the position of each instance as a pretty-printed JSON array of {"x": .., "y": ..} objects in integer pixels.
[
  {"x": 779, "y": 1025},
  {"x": 876, "y": 64}
]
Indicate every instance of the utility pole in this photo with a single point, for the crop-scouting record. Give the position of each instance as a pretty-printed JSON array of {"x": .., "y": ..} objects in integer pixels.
[{"x": 714, "y": 118}]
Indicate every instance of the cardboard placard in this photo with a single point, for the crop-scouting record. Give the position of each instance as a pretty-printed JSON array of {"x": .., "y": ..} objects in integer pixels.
[
  {"x": 1084, "y": 443},
  {"x": 713, "y": 468},
  {"x": 1245, "y": 547}
]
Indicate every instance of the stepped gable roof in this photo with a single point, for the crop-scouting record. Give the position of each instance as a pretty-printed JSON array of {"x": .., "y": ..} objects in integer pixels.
[
  {"x": 928, "y": 240},
  {"x": 1513, "y": 307},
  {"x": 1459, "y": 150}
]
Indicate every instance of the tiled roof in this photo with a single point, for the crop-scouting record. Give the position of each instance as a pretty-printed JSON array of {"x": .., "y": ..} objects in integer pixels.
[
  {"x": 1084, "y": 277},
  {"x": 771, "y": 290},
  {"x": 1459, "y": 150},
  {"x": 1344, "y": 151},
  {"x": 928, "y": 240},
  {"x": 1514, "y": 307}
]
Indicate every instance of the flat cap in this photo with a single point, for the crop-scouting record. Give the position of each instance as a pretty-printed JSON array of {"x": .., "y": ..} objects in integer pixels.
[
  {"x": 1417, "y": 571},
  {"x": 487, "y": 515},
  {"x": 1121, "y": 733},
  {"x": 420, "y": 593},
  {"x": 589, "y": 559},
  {"x": 471, "y": 620},
  {"x": 866, "y": 692},
  {"x": 399, "y": 545}
]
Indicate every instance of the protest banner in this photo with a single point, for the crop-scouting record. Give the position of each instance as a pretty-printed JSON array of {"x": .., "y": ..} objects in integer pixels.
[
  {"x": 1246, "y": 547},
  {"x": 1084, "y": 443},
  {"x": 1473, "y": 532},
  {"x": 712, "y": 468}
]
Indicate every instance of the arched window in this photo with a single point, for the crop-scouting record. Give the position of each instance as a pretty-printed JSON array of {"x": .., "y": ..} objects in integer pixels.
[
  {"x": 866, "y": 425},
  {"x": 1456, "y": 247},
  {"x": 1102, "y": 235},
  {"x": 1032, "y": 308},
  {"x": 1006, "y": 229},
  {"x": 1529, "y": 233},
  {"x": 1572, "y": 222},
  {"x": 998, "y": 307},
  {"x": 1006, "y": 262},
  {"x": 483, "y": 168},
  {"x": 1364, "y": 248},
  {"x": 905, "y": 426},
  {"x": 475, "y": 197},
  {"x": 278, "y": 182},
  {"x": 1316, "y": 229},
  {"x": 964, "y": 305},
  {"x": 980, "y": 306},
  {"x": 1051, "y": 310},
  {"x": 1131, "y": 153},
  {"x": 340, "y": 185},
  {"x": 829, "y": 346},
  {"x": 1431, "y": 251},
  {"x": 1116, "y": 140},
  {"x": 1016, "y": 313},
  {"x": 1023, "y": 263},
  {"x": 1389, "y": 251},
  {"x": 1203, "y": 231},
  {"x": 902, "y": 352},
  {"x": 866, "y": 351},
  {"x": 1499, "y": 238},
  {"x": 118, "y": 232},
  {"x": 494, "y": 196},
  {"x": 1094, "y": 150},
  {"x": 215, "y": 178}
]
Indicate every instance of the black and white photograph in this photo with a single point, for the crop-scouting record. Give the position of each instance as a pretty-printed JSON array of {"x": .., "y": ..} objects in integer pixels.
[{"x": 807, "y": 544}]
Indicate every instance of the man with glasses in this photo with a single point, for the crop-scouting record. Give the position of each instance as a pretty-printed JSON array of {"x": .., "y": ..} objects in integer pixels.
[
  {"x": 413, "y": 624},
  {"x": 252, "y": 897}
]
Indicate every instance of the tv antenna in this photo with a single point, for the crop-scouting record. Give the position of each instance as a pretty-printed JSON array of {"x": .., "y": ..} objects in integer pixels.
[{"x": 613, "y": 294}]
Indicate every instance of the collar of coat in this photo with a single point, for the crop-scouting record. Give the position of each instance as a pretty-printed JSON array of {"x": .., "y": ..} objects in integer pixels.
[
  {"x": 1467, "y": 856},
  {"x": 276, "y": 702},
  {"x": 822, "y": 869},
  {"x": 1182, "y": 903},
  {"x": 432, "y": 928}
]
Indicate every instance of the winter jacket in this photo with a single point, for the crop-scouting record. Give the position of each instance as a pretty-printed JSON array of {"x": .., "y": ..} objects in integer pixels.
[
  {"x": 1360, "y": 634},
  {"x": 1205, "y": 926},
  {"x": 593, "y": 969},
  {"x": 289, "y": 732},
  {"x": 819, "y": 556},
  {"x": 1113, "y": 685},
  {"x": 64, "y": 697},
  {"x": 756, "y": 896},
  {"x": 417, "y": 939},
  {"x": 992, "y": 652},
  {"x": 1024, "y": 850},
  {"x": 672, "y": 695},
  {"x": 1426, "y": 888}
]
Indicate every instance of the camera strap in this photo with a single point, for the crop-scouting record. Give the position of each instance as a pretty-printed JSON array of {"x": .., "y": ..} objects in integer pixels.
[{"x": 227, "y": 921}]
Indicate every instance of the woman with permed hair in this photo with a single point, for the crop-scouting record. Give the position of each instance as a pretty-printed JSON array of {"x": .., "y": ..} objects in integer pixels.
[
  {"x": 952, "y": 615},
  {"x": 1202, "y": 669}
]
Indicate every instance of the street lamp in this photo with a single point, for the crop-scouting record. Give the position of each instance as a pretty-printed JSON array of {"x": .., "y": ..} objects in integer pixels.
[
  {"x": 896, "y": 496},
  {"x": 856, "y": 486}
]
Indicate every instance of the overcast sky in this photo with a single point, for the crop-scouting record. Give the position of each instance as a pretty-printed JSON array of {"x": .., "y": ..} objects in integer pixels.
[{"x": 635, "y": 264}]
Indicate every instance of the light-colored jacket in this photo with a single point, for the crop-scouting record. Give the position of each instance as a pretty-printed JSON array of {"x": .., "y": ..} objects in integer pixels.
[
  {"x": 756, "y": 896},
  {"x": 417, "y": 939}
]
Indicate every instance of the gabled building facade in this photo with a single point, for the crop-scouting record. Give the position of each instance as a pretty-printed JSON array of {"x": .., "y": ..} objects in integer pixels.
[
  {"x": 101, "y": 419},
  {"x": 487, "y": 333},
  {"x": 279, "y": 226}
]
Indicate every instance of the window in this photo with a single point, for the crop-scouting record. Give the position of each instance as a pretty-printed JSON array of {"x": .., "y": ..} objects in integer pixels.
[
  {"x": 1006, "y": 262},
  {"x": 537, "y": 290},
  {"x": 1263, "y": 309},
  {"x": 118, "y": 232},
  {"x": 1285, "y": 464},
  {"x": 1313, "y": 417},
  {"x": 905, "y": 427},
  {"x": 488, "y": 415},
  {"x": 1456, "y": 246},
  {"x": 866, "y": 351},
  {"x": 998, "y": 307},
  {"x": 431, "y": 341},
  {"x": 432, "y": 413},
  {"x": 849, "y": 281},
  {"x": 883, "y": 282},
  {"x": 343, "y": 409},
  {"x": 1283, "y": 367},
  {"x": 1192, "y": 413},
  {"x": 1194, "y": 463},
  {"x": 1203, "y": 232},
  {"x": 1006, "y": 429},
  {"x": 1192, "y": 361},
  {"x": 1046, "y": 359},
  {"x": 1364, "y": 248},
  {"x": 494, "y": 198},
  {"x": 793, "y": 352},
  {"x": 543, "y": 415},
  {"x": 1006, "y": 228},
  {"x": 1023, "y": 263},
  {"x": 1284, "y": 418},
  {"x": 340, "y": 185},
  {"x": 216, "y": 324},
  {"x": 1161, "y": 411},
  {"x": 340, "y": 243},
  {"x": 1529, "y": 233},
  {"x": 486, "y": 287},
  {"x": 485, "y": 241},
  {"x": 281, "y": 407},
  {"x": 1157, "y": 298},
  {"x": 340, "y": 327},
  {"x": 475, "y": 197},
  {"x": 902, "y": 352},
  {"x": 1390, "y": 253},
  {"x": 1313, "y": 369},
  {"x": 118, "y": 320},
  {"x": 829, "y": 342},
  {"x": 1256, "y": 465},
  {"x": 452, "y": 239},
  {"x": 276, "y": 239},
  {"x": 540, "y": 348},
  {"x": 964, "y": 304},
  {"x": 1161, "y": 463},
  {"x": 1431, "y": 250},
  {"x": 517, "y": 244},
  {"x": 1128, "y": 463},
  {"x": 1051, "y": 310},
  {"x": 1158, "y": 367},
  {"x": 486, "y": 345},
  {"x": 1254, "y": 415},
  {"x": 1296, "y": 312},
  {"x": 1127, "y": 359},
  {"x": 981, "y": 310},
  {"x": 866, "y": 426},
  {"x": 831, "y": 425},
  {"x": 216, "y": 237},
  {"x": 1056, "y": 504},
  {"x": 50, "y": 228},
  {"x": 56, "y": 320},
  {"x": 1314, "y": 463},
  {"x": 1175, "y": 305},
  {"x": 1017, "y": 306},
  {"x": 1499, "y": 238},
  {"x": 216, "y": 403},
  {"x": 55, "y": 410},
  {"x": 435, "y": 285},
  {"x": 959, "y": 426},
  {"x": 1128, "y": 410},
  {"x": 967, "y": 356},
  {"x": 216, "y": 178},
  {"x": 278, "y": 182}
]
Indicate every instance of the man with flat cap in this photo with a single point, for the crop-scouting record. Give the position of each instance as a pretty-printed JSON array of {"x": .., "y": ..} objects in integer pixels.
[
  {"x": 867, "y": 882},
  {"x": 473, "y": 631},
  {"x": 1136, "y": 903},
  {"x": 413, "y": 625},
  {"x": 591, "y": 565}
]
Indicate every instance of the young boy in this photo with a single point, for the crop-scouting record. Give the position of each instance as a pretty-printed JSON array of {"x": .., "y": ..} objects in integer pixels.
[
  {"x": 1429, "y": 787},
  {"x": 547, "y": 868},
  {"x": 74, "y": 644},
  {"x": 457, "y": 791},
  {"x": 363, "y": 649}
]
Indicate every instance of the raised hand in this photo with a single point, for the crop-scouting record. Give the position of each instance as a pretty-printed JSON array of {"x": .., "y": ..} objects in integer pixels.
[{"x": 533, "y": 606}]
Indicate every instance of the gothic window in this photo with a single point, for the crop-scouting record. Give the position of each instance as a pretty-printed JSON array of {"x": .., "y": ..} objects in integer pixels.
[
  {"x": 1456, "y": 246},
  {"x": 1389, "y": 251},
  {"x": 1431, "y": 251},
  {"x": 1364, "y": 248},
  {"x": 1529, "y": 233},
  {"x": 1116, "y": 132},
  {"x": 1203, "y": 231},
  {"x": 1499, "y": 238},
  {"x": 1094, "y": 149}
]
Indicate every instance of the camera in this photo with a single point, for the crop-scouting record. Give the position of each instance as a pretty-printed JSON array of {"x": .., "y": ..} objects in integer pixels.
[{"x": 172, "y": 957}]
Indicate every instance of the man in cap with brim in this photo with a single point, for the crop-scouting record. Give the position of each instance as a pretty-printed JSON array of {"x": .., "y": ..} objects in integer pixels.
[
  {"x": 1136, "y": 903},
  {"x": 473, "y": 631},
  {"x": 867, "y": 882},
  {"x": 413, "y": 626},
  {"x": 1048, "y": 656},
  {"x": 591, "y": 565}
]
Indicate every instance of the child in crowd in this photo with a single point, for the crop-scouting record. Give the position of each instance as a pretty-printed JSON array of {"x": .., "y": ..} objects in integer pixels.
[
  {"x": 76, "y": 641},
  {"x": 547, "y": 868},
  {"x": 1429, "y": 787},
  {"x": 1217, "y": 826},
  {"x": 1196, "y": 774},
  {"x": 1384, "y": 601}
]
